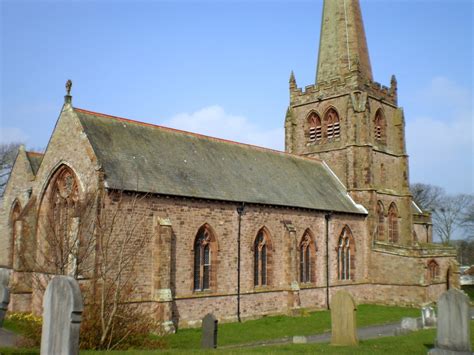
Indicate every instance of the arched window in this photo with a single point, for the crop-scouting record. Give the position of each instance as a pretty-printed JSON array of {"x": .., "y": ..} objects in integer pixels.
[
  {"x": 60, "y": 241},
  {"x": 307, "y": 258},
  {"x": 345, "y": 255},
  {"x": 314, "y": 130},
  {"x": 380, "y": 221},
  {"x": 393, "y": 223},
  {"x": 262, "y": 258},
  {"x": 333, "y": 128},
  {"x": 204, "y": 259},
  {"x": 379, "y": 126},
  {"x": 14, "y": 216},
  {"x": 433, "y": 269}
]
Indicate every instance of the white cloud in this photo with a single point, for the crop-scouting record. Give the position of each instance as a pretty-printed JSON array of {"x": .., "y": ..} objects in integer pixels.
[
  {"x": 12, "y": 135},
  {"x": 440, "y": 143},
  {"x": 214, "y": 121}
]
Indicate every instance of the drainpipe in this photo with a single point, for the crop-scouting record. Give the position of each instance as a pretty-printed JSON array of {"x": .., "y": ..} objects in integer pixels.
[
  {"x": 327, "y": 216},
  {"x": 240, "y": 212}
]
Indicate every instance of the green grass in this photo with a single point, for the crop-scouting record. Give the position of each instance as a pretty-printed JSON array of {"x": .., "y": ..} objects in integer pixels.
[
  {"x": 469, "y": 289},
  {"x": 283, "y": 326}
]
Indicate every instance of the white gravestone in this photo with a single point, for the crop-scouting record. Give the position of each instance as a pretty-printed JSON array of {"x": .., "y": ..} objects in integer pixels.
[
  {"x": 62, "y": 310},
  {"x": 428, "y": 316}
]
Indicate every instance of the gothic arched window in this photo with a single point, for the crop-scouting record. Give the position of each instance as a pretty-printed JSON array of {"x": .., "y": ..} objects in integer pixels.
[
  {"x": 333, "y": 128},
  {"x": 433, "y": 270},
  {"x": 314, "y": 130},
  {"x": 61, "y": 240},
  {"x": 379, "y": 126},
  {"x": 262, "y": 258},
  {"x": 380, "y": 221},
  {"x": 204, "y": 259},
  {"x": 14, "y": 216},
  {"x": 307, "y": 258},
  {"x": 345, "y": 255},
  {"x": 393, "y": 223}
]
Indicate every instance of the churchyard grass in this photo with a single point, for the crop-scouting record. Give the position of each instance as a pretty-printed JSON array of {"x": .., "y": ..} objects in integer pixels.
[
  {"x": 469, "y": 289},
  {"x": 283, "y": 326},
  {"x": 414, "y": 343},
  {"x": 275, "y": 327}
]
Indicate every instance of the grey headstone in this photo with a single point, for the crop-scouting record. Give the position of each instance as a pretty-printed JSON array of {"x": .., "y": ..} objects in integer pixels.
[
  {"x": 428, "y": 316},
  {"x": 62, "y": 310},
  {"x": 410, "y": 324},
  {"x": 4, "y": 276},
  {"x": 209, "y": 332},
  {"x": 453, "y": 333},
  {"x": 4, "y": 301}
]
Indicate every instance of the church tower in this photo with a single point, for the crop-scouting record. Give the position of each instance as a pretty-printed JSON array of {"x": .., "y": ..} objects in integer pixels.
[{"x": 354, "y": 124}]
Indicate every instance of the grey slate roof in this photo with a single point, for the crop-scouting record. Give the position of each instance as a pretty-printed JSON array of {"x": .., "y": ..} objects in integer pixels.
[
  {"x": 35, "y": 160},
  {"x": 141, "y": 157}
]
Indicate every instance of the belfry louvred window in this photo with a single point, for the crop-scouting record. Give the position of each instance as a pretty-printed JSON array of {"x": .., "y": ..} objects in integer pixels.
[
  {"x": 314, "y": 128},
  {"x": 380, "y": 221},
  {"x": 333, "y": 128},
  {"x": 202, "y": 260},
  {"x": 379, "y": 126}
]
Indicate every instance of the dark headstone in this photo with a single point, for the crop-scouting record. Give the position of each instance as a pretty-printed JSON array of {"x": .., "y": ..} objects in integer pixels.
[
  {"x": 209, "y": 332},
  {"x": 453, "y": 333},
  {"x": 62, "y": 310},
  {"x": 4, "y": 301}
]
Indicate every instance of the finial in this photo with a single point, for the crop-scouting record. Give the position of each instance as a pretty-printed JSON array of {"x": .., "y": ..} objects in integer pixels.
[
  {"x": 393, "y": 81},
  {"x": 68, "y": 97},
  {"x": 292, "y": 80}
]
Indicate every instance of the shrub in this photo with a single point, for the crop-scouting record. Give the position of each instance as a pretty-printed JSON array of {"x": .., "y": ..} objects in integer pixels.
[{"x": 28, "y": 325}]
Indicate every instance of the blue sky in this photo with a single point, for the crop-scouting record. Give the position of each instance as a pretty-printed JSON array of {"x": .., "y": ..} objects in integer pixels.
[{"x": 222, "y": 68}]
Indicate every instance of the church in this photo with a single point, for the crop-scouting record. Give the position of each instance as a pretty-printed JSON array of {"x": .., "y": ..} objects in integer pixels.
[{"x": 234, "y": 229}]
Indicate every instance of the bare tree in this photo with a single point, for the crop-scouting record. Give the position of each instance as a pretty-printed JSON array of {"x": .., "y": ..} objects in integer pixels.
[
  {"x": 98, "y": 241},
  {"x": 448, "y": 216},
  {"x": 8, "y": 153},
  {"x": 426, "y": 196}
]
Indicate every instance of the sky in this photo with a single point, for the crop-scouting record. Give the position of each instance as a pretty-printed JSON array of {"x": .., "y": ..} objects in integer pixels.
[{"x": 222, "y": 67}]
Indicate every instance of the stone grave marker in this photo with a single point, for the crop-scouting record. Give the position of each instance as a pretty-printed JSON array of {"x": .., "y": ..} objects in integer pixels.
[
  {"x": 209, "y": 332},
  {"x": 453, "y": 333},
  {"x": 428, "y": 317},
  {"x": 343, "y": 319},
  {"x": 62, "y": 310},
  {"x": 4, "y": 301},
  {"x": 4, "y": 276}
]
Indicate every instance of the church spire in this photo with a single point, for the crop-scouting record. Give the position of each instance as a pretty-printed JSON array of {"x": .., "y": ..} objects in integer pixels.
[{"x": 342, "y": 47}]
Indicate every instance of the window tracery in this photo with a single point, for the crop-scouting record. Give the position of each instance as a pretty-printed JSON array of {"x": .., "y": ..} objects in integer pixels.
[
  {"x": 345, "y": 255},
  {"x": 262, "y": 257}
]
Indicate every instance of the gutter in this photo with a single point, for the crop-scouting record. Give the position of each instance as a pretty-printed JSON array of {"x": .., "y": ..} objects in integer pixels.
[
  {"x": 240, "y": 212},
  {"x": 327, "y": 217}
]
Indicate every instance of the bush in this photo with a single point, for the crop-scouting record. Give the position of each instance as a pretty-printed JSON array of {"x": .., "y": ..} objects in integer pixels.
[
  {"x": 28, "y": 325},
  {"x": 131, "y": 328}
]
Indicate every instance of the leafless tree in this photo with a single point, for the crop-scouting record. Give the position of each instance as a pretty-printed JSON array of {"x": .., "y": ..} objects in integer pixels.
[
  {"x": 98, "y": 241},
  {"x": 448, "y": 216},
  {"x": 8, "y": 153},
  {"x": 427, "y": 196}
]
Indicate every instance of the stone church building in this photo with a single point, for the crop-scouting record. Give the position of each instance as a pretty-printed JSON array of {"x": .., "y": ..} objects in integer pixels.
[{"x": 234, "y": 229}]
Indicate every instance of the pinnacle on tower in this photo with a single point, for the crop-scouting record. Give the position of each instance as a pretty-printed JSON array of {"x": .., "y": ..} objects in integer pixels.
[
  {"x": 343, "y": 47},
  {"x": 292, "y": 80}
]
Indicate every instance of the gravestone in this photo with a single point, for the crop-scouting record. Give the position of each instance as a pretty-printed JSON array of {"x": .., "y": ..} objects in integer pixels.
[
  {"x": 453, "y": 333},
  {"x": 62, "y": 310},
  {"x": 343, "y": 319},
  {"x": 209, "y": 332},
  {"x": 4, "y": 301},
  {"x": 4, "y": 276},
  {"x": 428, "y": 317}
]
